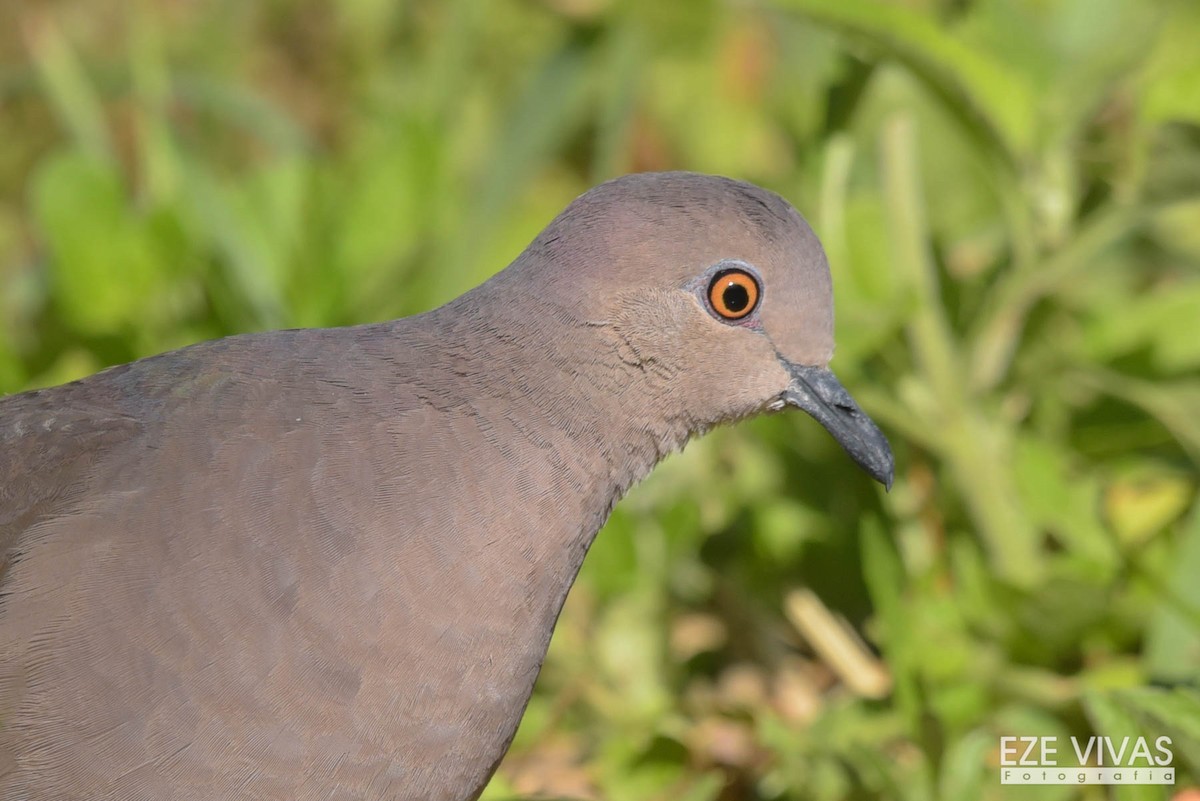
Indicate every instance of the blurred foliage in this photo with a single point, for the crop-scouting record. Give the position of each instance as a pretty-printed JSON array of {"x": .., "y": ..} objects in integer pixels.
[{"x": 1009, "y": 192}]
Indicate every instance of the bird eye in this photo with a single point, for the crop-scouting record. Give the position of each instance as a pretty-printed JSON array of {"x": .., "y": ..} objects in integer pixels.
[{"x": 733, "y": 294}]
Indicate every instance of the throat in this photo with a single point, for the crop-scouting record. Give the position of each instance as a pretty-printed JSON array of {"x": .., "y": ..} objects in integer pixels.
[
  {"x": 584, "y": 441},
  {"x": 596, "y": 459},
  {"x": 576, "y": 427}
]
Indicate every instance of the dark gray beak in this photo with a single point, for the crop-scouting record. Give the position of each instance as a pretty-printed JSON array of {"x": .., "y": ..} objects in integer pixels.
[{"x": 817, "y": 391}]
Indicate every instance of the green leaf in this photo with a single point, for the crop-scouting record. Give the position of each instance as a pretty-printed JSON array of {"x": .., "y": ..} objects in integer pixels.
[
  {"x": 1173, "y": 640},
  {"x": 1171, "y": 80},
  {"x": 256, "y": 225},
  {"x": 990, "y": 100},
  {"x": 1063, "y": 502},
  {"x": 1112, "y": 719},
  {"x": 69, "y": 88},
  {"x": 104, "y": 264},
  {"x": 1164, "y": 320},
  {"x": 964, "y": 770},
  {"x": 1174, "y": 403}
]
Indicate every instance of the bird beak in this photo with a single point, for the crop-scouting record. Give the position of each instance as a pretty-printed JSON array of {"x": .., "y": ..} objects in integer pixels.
[{"x": 817, "y": 391}]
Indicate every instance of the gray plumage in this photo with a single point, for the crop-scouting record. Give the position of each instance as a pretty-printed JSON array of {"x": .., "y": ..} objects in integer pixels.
[{"x": 326, "y": 564}]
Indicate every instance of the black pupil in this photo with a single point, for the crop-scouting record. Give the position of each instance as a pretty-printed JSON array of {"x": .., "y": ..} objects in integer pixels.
[{"x": 735, "y": 297}]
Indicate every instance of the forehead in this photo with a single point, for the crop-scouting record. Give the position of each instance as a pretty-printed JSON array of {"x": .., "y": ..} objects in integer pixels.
[{"x": 686, "y": 221}]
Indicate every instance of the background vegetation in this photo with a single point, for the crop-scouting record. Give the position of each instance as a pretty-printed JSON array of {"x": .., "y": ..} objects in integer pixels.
[{"x": 1009, "y": 191}]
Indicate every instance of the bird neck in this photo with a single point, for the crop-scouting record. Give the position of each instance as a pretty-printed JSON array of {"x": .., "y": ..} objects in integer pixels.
[
  {"x": 590, "y": 420},
  {"x": 550, "y": 428}
]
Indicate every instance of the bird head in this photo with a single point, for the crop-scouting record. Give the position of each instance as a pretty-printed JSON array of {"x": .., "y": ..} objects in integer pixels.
[{"x": 716, "y": 291}]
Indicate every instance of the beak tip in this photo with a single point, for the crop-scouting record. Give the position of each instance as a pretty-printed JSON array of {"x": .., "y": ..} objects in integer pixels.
[
  {"x": 816, "y": 391},
  {"x": 880, "y": 465}
]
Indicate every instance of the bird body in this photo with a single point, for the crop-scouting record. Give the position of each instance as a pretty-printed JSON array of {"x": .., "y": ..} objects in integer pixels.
[{"x": 326, "y": 564}]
